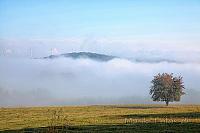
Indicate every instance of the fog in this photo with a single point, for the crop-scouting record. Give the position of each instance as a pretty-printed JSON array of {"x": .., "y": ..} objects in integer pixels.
[{"x": 66, "y": 81}]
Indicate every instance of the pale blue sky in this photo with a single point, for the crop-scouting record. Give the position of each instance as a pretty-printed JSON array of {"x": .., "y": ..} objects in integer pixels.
[{"x": 110, "y": 18}]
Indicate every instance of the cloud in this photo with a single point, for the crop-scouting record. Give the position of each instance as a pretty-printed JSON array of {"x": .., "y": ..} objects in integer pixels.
[
  {"x": 83, "y": 81},
  {"x": 123, "y": 47},
  {"x": 28, "y": 81}
]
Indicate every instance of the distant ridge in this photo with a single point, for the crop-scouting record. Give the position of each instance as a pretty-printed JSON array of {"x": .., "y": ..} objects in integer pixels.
[
  {"x": 85, "y": 55},
  {"x": 105, "y": 58}
]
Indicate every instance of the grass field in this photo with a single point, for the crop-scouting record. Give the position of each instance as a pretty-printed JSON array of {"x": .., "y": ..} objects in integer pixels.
[{"x": 116, "y": 118}]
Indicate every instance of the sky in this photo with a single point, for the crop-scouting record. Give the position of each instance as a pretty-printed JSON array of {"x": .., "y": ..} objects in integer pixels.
[
  {"x": 131, "y": 29},
  {"x": 111, "y": 27},
  {"x": 114, "y": 19}
]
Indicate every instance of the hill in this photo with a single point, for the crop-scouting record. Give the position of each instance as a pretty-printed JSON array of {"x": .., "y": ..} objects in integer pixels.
[
  {"x": 85, "y": 55},
  {"x": 105, "y": 58}
]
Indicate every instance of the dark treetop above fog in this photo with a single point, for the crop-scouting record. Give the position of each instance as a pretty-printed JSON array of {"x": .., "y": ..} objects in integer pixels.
[
  {"x": 87, "y": 55},
  {"x": 104, "y": 57}
]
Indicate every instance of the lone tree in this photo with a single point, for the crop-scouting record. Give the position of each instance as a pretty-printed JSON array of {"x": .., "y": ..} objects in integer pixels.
[{"x": 165, "y": 87}]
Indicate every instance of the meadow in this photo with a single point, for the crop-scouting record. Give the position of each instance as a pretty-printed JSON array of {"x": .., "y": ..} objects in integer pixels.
[{"x": 101, "y": 118}]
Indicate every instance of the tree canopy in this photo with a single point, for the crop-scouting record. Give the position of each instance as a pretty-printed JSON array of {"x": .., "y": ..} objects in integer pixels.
[{"x": 165, "y": 87}]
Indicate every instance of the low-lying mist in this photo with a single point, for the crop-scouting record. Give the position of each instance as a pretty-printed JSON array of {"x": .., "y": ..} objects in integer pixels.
[{"x": 66, "y": 81}]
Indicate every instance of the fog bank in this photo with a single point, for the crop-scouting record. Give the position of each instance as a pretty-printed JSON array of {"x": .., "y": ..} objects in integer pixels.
[{"x": 65, "y": 81}]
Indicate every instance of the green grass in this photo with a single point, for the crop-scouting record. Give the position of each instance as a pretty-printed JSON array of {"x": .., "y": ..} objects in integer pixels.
[{"x": 116, "y": 118}]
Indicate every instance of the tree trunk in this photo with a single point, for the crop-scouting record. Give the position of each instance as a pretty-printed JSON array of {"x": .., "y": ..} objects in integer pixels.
[{"x": 167, "y": 103}]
